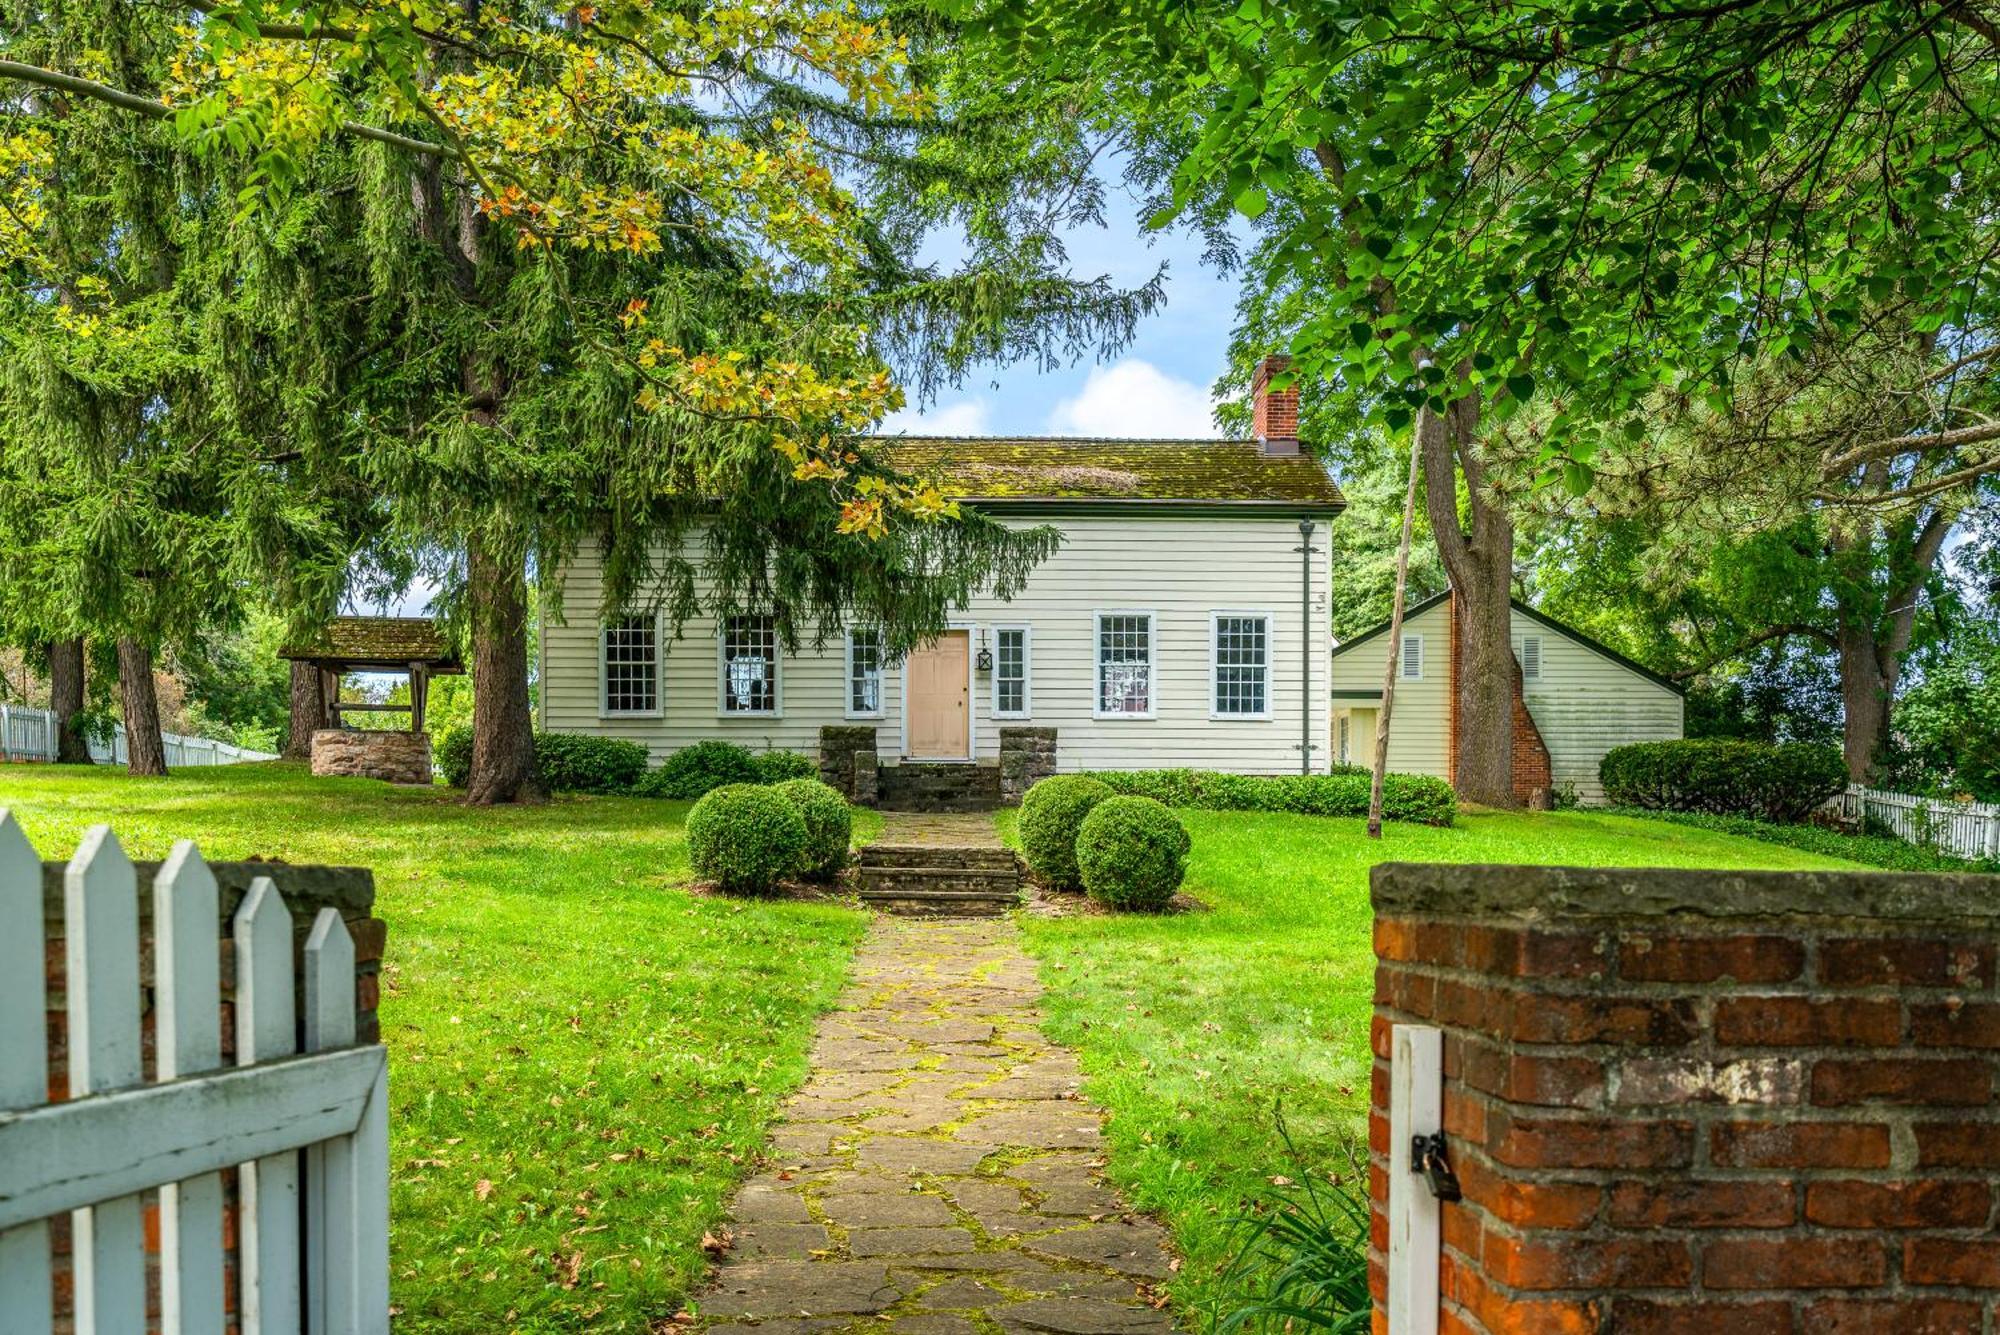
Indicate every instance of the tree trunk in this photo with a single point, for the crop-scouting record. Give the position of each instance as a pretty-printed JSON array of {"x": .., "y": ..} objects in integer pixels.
[
  {"x": 1865, "y": 693},
  {"x": 308, "y": 711},
  {"x": 1381, "y": 765},
  {"x": 1479, "y": 559},
  {"x": 145, "y": 749},
  {"x": 66, "y": 700},
  {"x": 503, "y": 725}
]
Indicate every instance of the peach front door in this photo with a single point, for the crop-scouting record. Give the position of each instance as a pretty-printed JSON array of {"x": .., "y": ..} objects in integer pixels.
[{"x": 939, "y": 699}]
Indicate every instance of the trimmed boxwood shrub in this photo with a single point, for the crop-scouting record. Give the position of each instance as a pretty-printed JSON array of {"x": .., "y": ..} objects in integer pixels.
[
  {"x": 453, "y": 755},
  {"x": 1418, "y": 798},
  {"x": 780, "y": 766},
  {"x": 1132, "y": 853},
  {"x": 698, "y": 769},
  {"x": 1783, "y": 783},
  {"x": 573, "y": 762},
  {"x": 1051, "y": 814},
  {"x": 746, "y": 838},
  {"x": 829, "y": 825}
]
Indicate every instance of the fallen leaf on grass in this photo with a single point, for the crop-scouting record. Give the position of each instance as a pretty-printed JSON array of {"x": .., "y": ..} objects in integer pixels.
[
  {"x": 483, "y": 1188},
  {"x": 715, "y": 1246}
]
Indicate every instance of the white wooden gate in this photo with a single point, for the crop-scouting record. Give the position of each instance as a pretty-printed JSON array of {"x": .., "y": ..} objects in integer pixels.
[{"x": 305, "y": 1133}]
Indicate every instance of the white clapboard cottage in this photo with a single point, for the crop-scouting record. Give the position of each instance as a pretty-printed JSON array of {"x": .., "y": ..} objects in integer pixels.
[
  {"x": 1181, "y": 622},
  {"x": 1575, "y": 699}
]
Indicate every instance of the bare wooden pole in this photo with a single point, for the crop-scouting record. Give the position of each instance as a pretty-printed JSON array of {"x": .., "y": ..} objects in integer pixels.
[{"x": 1395, "y": 633}]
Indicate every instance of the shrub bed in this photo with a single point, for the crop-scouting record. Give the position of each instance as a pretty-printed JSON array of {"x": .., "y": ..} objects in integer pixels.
[
  {"x": 1872, "y": 850},
  {"x": 1131, "y": 853},
  {"x": 746, "y": 838},
  {"x": 453, "y": 755},
  {"x": 1783, "y": 783},
  {"x": 1052, "y": 813},
  {"x": 829, "y": 824},
  {"x": 696, "y": 770},
  {"x": 576, "y": 763},
  {"x": 1417, "y": 798},
  {"x": 783, "y": 766},
  {"x": 568, "y": 762}
]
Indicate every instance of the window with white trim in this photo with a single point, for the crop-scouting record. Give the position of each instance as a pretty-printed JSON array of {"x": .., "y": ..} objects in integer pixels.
[
  {"x": 1344, "y": 720},
  {"x": 1413, "y": 658},
  {"x": 749, "y": 665},
  {"x": 1124, "y": 664},
  {"x": 1240, "y": 654},
  {"x": 1010, "y": 672},
  {"x": 864, "y": 672},
  {"x": 1529, "y": 651},
  {"x": 629, "y": 665}
]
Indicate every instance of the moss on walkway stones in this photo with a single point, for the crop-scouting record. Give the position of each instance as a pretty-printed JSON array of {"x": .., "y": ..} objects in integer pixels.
[{"x": 937, "y": 1174}]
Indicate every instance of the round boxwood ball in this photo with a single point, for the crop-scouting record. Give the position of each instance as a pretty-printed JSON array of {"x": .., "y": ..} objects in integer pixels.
[
  {"x": 1132, "y": 853},
  {"x": 829, "y": 825},
  {"x": 1051, "y": 814},
  {"x": 746, "y": 838}
]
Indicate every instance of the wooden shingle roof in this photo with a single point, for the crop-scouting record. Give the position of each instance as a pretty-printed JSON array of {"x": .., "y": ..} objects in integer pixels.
[
  {"x": 996, "y": 470},
  {"x": 378, "y": 641}
]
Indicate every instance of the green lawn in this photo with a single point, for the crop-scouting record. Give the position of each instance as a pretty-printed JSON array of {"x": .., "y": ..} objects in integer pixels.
[
  {"x": 563, "y": 1023},
  {"x": 1194, "y": 1028}
]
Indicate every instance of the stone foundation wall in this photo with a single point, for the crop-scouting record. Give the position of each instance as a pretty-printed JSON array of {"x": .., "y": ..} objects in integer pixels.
[
  {"x": 1683, "y": 1101},
  {"x": 398, "y": 757},
  {"x": 1026, "y": 754},
  {"x": 848, "y": 761}
]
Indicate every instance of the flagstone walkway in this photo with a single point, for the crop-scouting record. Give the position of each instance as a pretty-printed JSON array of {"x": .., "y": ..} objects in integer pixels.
[{"x": 937, "y": 1174}]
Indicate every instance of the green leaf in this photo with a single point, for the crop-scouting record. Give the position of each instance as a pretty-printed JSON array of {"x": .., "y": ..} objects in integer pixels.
[
  {"x": 1253, "y": 202},
  {"x": 1521, "y": 387}
]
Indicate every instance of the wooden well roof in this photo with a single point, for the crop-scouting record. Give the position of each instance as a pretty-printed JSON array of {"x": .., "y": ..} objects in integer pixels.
[{"x": 386, "y": 642}]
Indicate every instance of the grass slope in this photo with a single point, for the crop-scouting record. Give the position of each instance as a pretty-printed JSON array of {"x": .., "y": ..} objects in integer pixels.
[
  {"x": 583, "y": 1057},
  {"x": 1194, "y": 1029}
]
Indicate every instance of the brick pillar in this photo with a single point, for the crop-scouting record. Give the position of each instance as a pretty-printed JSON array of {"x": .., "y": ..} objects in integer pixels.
[
  {"x": 306, "y": 890},
  {"x": 1688, "y": 1102}
]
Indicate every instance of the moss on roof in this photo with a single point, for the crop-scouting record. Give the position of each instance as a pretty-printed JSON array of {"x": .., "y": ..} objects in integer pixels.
[
  {"x": 1001, "y": 469},
  {"x": 387, "y": 640}
]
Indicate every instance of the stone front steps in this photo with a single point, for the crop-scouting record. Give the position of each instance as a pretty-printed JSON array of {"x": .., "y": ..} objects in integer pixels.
[
  {"x": 932, "y": 880},
  {"x": 930, "y": 787}
]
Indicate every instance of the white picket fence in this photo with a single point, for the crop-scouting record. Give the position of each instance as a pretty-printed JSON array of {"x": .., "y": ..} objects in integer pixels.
[
  {"x": 1965, "y": 829},
  {"x": 306, "y": 1135},
  {"x": 30, "y": 734}
]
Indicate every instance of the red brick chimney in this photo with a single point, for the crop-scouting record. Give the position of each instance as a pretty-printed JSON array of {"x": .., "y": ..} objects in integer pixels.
[{"x": 1274, "y": 413}]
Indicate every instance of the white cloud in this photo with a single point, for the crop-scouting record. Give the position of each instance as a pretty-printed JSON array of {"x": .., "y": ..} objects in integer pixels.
[
  {"x": 1134, "y": 398},
  {"x": 967, "y": 417}
]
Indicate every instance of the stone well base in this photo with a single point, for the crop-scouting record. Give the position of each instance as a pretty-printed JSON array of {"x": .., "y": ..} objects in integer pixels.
[{"x": 398, "y": 757}]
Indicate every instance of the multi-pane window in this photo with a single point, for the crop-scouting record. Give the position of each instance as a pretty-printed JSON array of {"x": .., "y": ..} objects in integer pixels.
[
  {"x": 1344, "y": 720},
  {"x": 1530, "y": 653},
  {"x": 1125, "y": 663},
  {"x": 1010, "y": 671},
  {"x": 630, "y": 666},
  {"x": 1413, "y": 658},
  {"x": 864, "y": 672},
  {"x": 1242, "y": 665},
  {"x": 749, "y": 665}
]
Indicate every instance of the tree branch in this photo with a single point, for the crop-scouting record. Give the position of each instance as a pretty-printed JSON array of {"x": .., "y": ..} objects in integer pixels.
[
  {"x": 1784, "y": 632},
  {"x": 157, "y": 110}
]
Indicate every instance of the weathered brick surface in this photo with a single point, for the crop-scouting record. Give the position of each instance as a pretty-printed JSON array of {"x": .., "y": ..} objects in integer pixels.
[
  {"x": 1704, "y": 1102},
  {"x": 306, "y": 890}
]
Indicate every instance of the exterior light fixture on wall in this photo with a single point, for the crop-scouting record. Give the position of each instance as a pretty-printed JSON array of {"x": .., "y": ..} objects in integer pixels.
[{"x": 984, "y": 659}]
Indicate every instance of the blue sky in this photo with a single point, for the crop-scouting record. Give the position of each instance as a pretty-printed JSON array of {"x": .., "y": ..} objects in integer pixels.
[{"x": 1159, "y": 386}]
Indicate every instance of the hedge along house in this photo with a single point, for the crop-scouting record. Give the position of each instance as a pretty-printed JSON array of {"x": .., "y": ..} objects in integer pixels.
[
  {"x": 1574, "y": 699},
  {"x": 1181, "y": 622}
]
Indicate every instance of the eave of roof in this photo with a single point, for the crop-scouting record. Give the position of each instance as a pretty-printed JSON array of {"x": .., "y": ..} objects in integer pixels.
[
  {"x": 1020, "y": 472},
  {"x": 1571, "y": 632}
]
